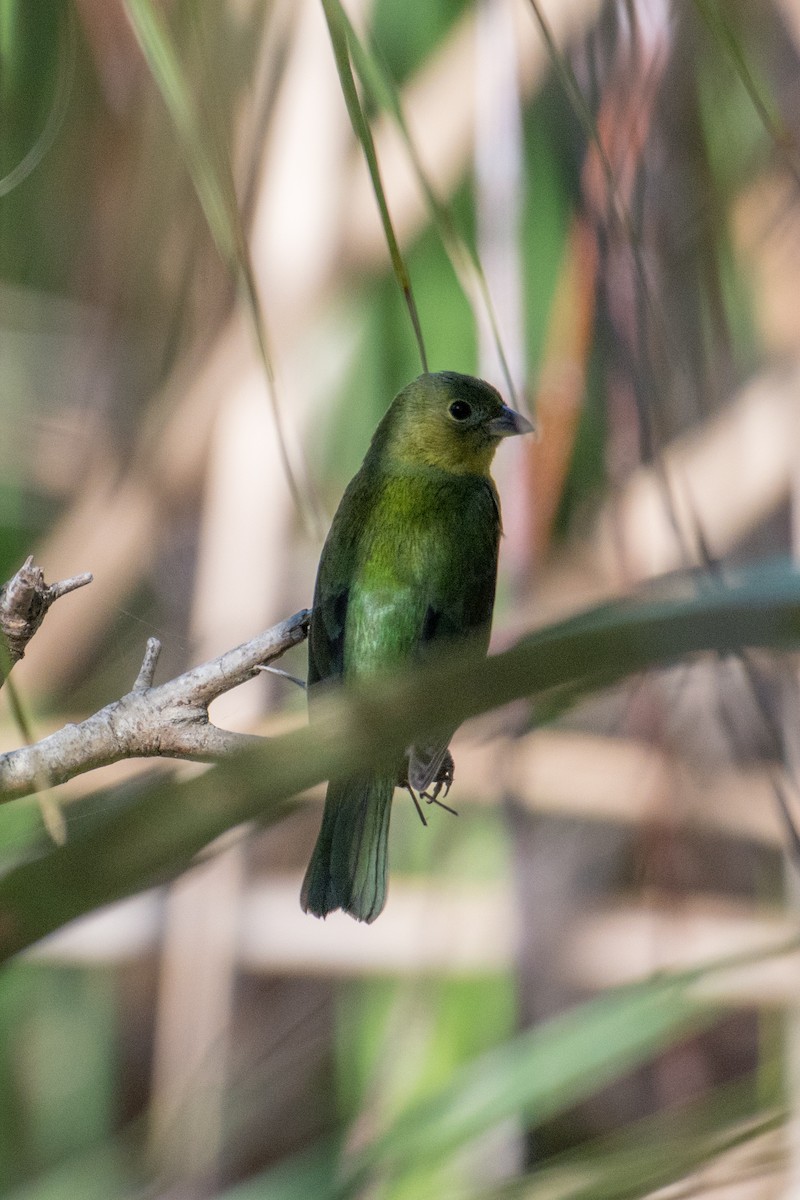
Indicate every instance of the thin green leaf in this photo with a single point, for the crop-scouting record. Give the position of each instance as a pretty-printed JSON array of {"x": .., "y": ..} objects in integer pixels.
[
  {"x": 464, "y": 260},
  {"x": 212, "y": 183},
  {"x": 654, "y": 1160},
  {"x": 338, "y": 27},
  {"x": 52, "y": 816},
  {"x": 622, "y": 214},
  {"x": 58, "y": 107},
  {"x": 548, "y": 1069},
  {"x": 212, "y": 179},
  {"x": 151, "y": 840},
  {"x": 540, "y": 1073},
  {"x": 721, "y": 28}
]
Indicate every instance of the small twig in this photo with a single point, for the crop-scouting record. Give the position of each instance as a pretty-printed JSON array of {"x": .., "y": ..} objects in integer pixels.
[
  {"x": 144, "y": 679},
  {"x": 24, "y": 602},
  {"x": 57, "y": 590},
  {"x": 285, "y": 675}
]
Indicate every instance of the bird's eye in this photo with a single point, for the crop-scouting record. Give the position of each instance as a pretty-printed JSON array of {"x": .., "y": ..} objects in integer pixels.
[{"x": 459, "y": 410}]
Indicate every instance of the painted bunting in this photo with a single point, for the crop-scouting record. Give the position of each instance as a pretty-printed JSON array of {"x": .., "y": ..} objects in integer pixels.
[{"x": 410, "y": 562}]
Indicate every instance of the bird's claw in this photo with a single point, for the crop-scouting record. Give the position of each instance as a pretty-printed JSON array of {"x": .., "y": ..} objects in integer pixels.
[
  {"x": 444, "y": 780},
  {"x": 433, "y": 798}
]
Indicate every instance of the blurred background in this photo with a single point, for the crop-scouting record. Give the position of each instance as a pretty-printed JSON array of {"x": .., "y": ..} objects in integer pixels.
[{"x": 200, "y": 327}]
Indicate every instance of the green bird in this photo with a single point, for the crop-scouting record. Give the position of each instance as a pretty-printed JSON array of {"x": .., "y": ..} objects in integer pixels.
[{"x": 410, "y": 561}]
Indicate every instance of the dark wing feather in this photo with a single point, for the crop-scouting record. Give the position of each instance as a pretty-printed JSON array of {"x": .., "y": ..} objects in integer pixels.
[
  {"x": 461, "y": 604},
  {"x": 335, "y": 577},
  {"x": 326, "y": 636}
]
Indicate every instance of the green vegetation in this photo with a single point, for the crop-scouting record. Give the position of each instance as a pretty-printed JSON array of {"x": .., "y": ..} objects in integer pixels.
[{"x": 584, "y": 986}]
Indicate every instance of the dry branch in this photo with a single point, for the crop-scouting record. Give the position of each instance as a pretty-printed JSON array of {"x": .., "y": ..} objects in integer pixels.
[
  {"x": 170, "y": 720},
  {"x": 24, "y": 602}
]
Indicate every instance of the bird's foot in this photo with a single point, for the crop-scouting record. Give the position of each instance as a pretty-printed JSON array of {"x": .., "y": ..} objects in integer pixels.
[
  {"x": 433, "y": 798},
  {"x": 443, "y": 780}
]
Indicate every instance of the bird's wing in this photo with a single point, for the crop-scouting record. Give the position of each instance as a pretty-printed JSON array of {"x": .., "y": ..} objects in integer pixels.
[
  {"x": 326, "y": 635},
  {"x": 390, "y": 587},
  {"x": 335, "y": 577},
  {"x": 460, "y": 602}
]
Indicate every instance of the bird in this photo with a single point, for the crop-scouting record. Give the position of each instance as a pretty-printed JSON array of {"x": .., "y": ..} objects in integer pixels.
[{"x": 409, "y": 563}]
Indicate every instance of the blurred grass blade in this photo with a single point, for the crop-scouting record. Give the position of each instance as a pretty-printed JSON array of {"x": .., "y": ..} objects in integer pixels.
[
  {"x": 52, "y": 816},
  {"x": 721, "y": 29},
  {"x": 464, "y": 260},
  {"x": 212, "y": 183},
  {"x": 569, "y": 83},
  {"x": 58, "y": 108},
  {"x": 540, "y": 1073},
  {"x": 312, "y": 1172},
  {"x": 106, "y": 1172},
  {"x": 620, "y": 207},
  {"x": 339, "y": 28},
  {"x": 114, "y": 853},
  {"x": 656, "y": 1162},
  {"x": 210, "y": 172},
  {"x": 546, "y": 1070}
]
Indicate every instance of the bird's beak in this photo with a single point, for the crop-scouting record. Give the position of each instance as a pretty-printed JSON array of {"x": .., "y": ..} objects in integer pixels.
[{"x": 509, "y": 423}]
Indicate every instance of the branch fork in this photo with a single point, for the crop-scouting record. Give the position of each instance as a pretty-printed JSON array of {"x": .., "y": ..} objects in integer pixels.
[{"x": 169, "y": 720}]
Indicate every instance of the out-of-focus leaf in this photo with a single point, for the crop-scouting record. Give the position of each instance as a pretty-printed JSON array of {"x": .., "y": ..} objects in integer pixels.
[
  {"x": 539, "y": 1073},
  {"x": 210, "y": 174},
  {"x": 717, "y": 21},
  {"x": 58, "y": 106},
  {"x": 464, "y": 260},
  {"x": 441, "y": 1027},
  {"x": 149, "y": 842},
  {"x": 210, "y": 170},
  {"x": 68, "y": 1070},
  {"x": 338, "y": 28},
  {"x": 651, "y": 1164},
  {"x": 312, "y": 1173},
  {"x": 409, "y": 45},
  {"x": 104, "y": 1173}
]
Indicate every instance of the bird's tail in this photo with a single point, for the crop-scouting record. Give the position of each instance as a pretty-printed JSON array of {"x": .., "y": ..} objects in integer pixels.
[{"x": 348, "y": 866}]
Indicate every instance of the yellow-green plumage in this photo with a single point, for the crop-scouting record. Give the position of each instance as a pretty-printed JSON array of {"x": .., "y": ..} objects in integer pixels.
[{"x": 410, "y": 560}]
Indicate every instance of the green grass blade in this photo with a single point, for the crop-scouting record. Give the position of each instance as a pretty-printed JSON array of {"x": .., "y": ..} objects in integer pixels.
[
  {"x": 656, "y": 1161},
  {"x": 338, "y": 27},
  {"x": 620, "y": 209},
  {"x": 116, "y": 853},
  {"x": 540, "y": 1073},
  {"x": 546, "y": 1070},
  {"x": 717, "y": 23},
  {"x": 464, "y": 260},
  {"x": 210, "y": 172},
  {"x": 213, "y": 185},
  {"x": 65, "y": 75}
]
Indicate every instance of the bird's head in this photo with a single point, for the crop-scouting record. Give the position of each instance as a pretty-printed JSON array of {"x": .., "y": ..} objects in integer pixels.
[{"x": 450, "y": 421}]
